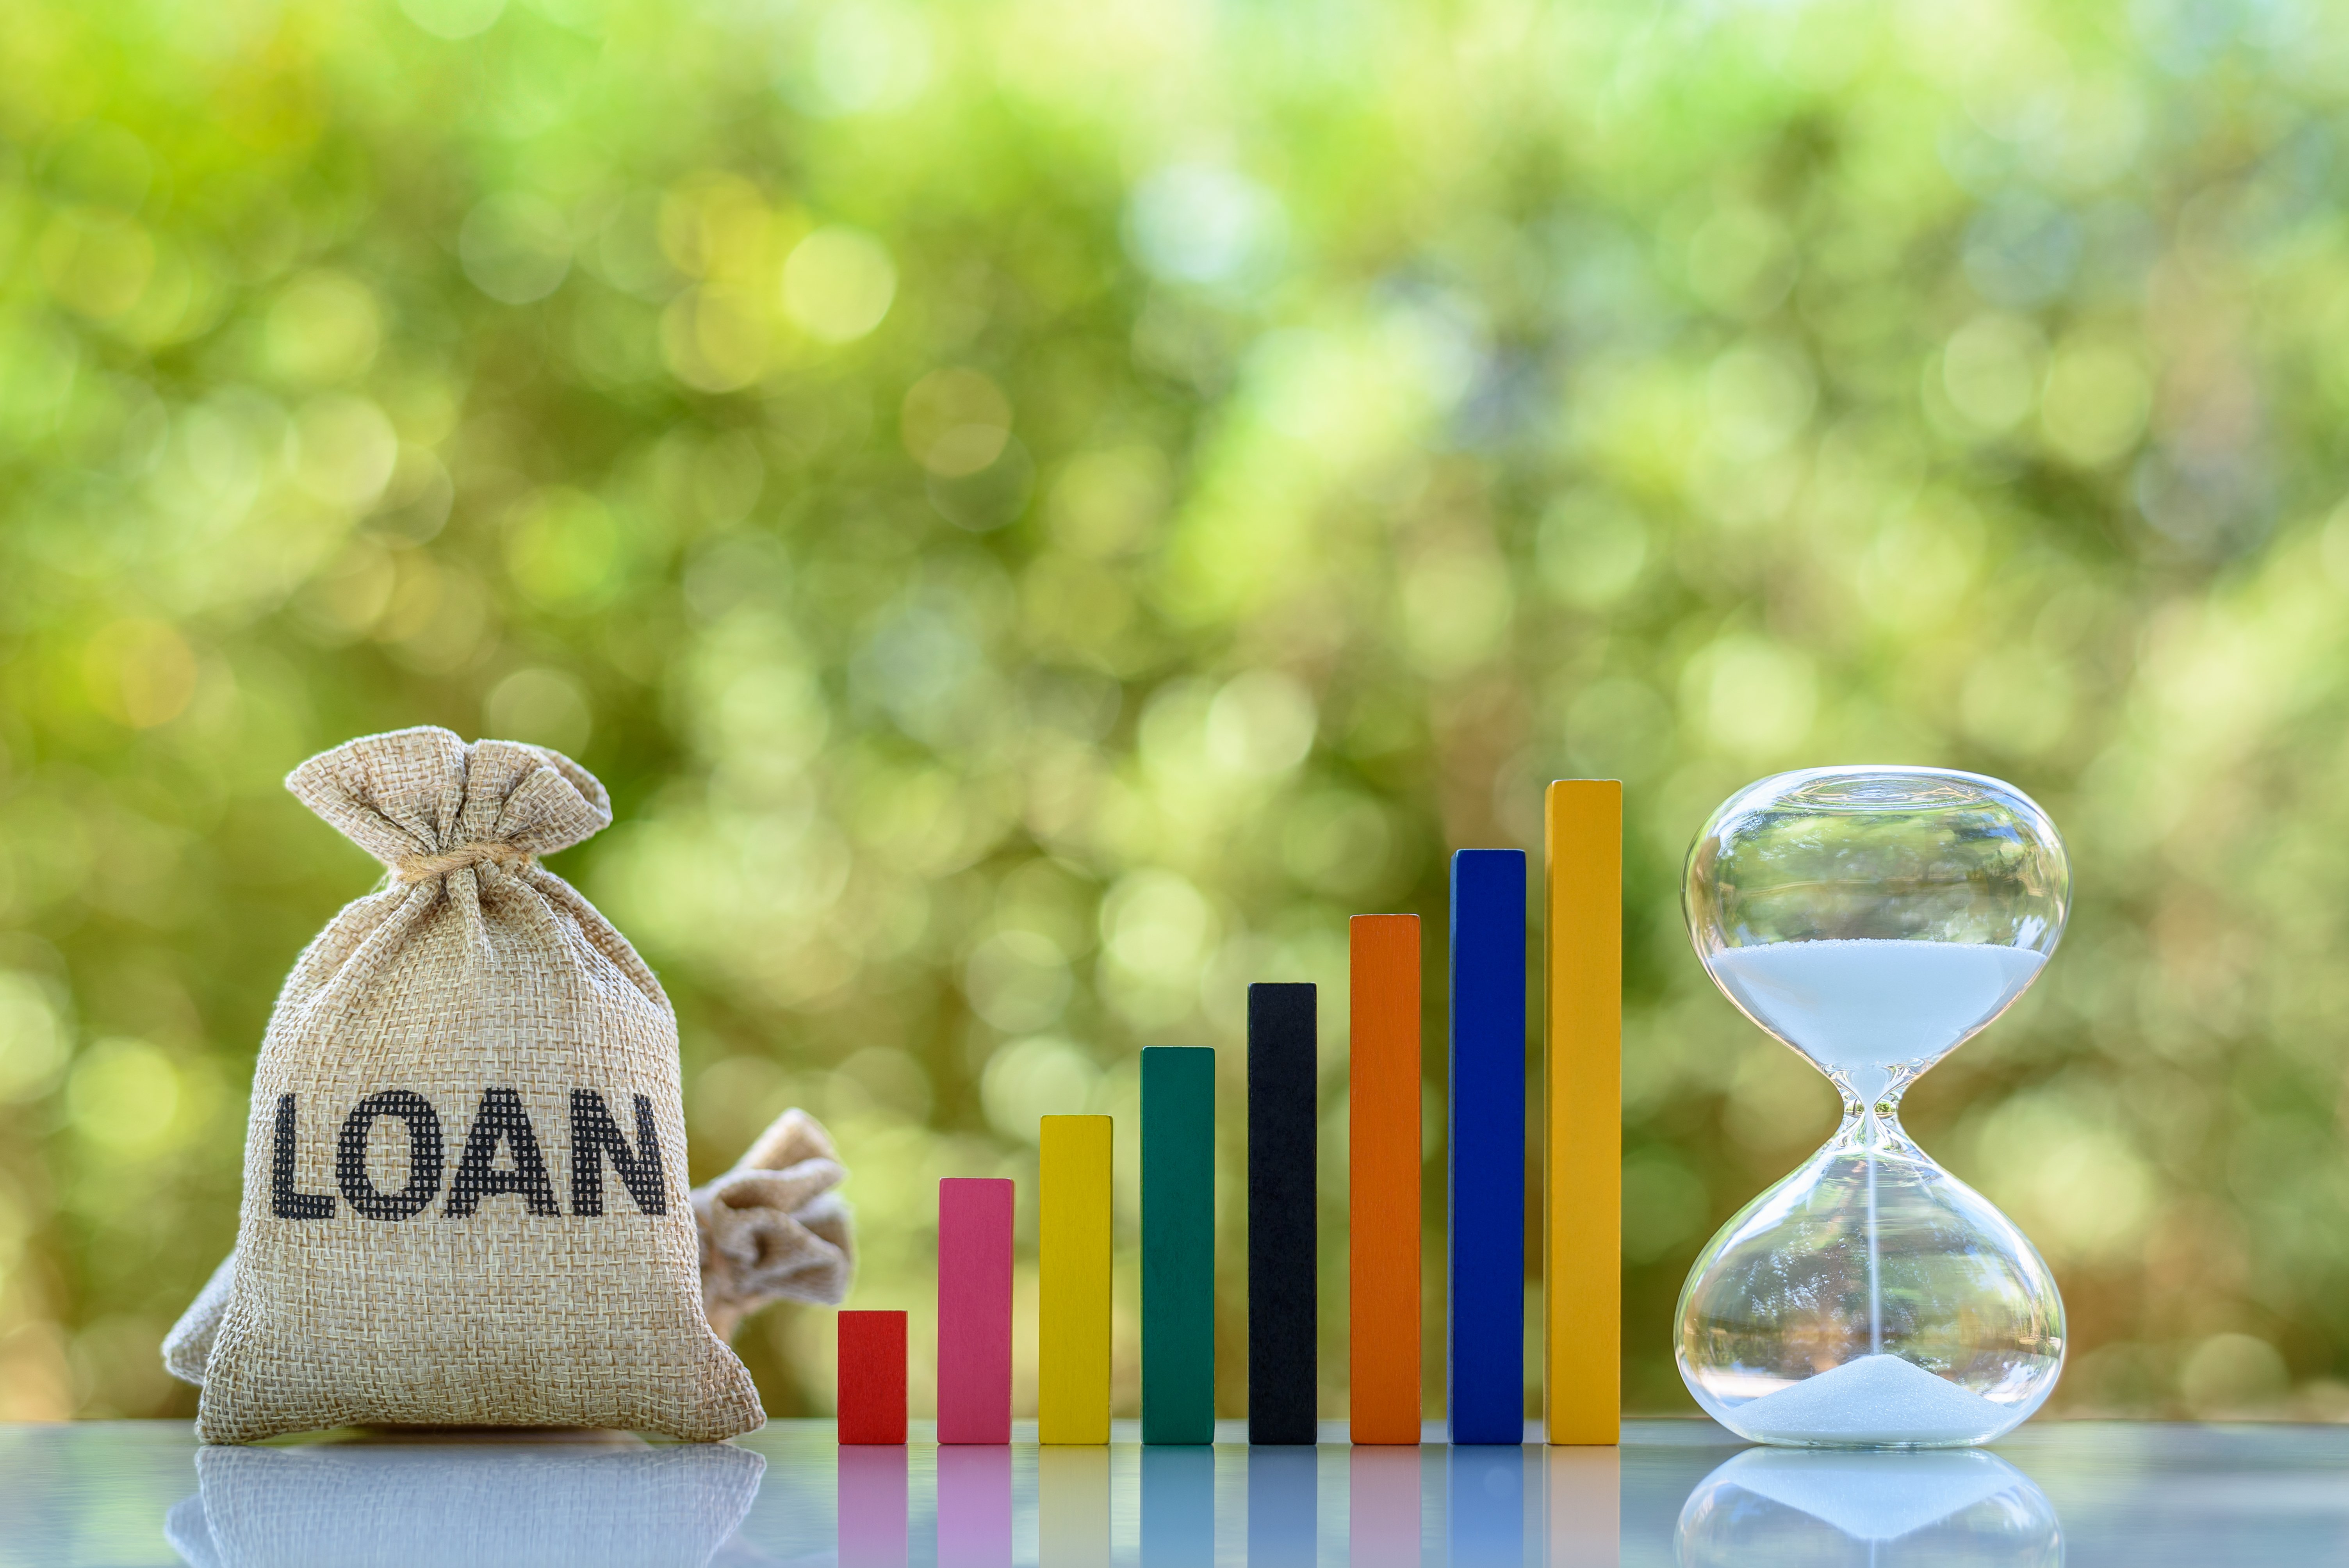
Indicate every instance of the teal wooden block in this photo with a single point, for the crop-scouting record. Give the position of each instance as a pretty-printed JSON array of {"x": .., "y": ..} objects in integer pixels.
[{"x": 1178, "y": 1245}]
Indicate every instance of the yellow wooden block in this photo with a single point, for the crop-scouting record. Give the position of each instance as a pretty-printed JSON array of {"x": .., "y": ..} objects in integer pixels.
[
  {"x": 1072, "y": 1277},
  {"x": 1582, "y": 1257}
]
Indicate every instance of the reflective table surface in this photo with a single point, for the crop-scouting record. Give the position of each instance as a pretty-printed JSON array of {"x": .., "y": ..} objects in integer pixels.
[{"x": 1676, "y": 1492}]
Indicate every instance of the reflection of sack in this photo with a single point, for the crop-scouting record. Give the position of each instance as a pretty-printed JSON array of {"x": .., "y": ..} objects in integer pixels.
[
  {"x": 465, "y": 1199},
  {"x": 512, "y": 1504},
  {"x": 774, "y": 1228}
]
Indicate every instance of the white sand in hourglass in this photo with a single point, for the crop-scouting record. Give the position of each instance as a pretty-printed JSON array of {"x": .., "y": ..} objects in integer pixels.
[
  {"x": 1875, "y": 1399},
  {"x": 1853, "y": 1006},
  {"x": 1863, "y": 1010}
]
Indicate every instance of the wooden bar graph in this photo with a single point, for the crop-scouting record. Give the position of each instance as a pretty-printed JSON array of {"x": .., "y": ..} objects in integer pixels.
[
  {"x": 1582, "y": 1292},
  {"x": 1178, "y": 1245},
  {"x": 974, "y": 1310},
  {"x": 1073, "y": 1279},
  {"x": 1283, "y": 1367},
  {"x": 872, "y": 1396},
  {"x": 1488, "y": 1146},
  {"x": 1382, "y": 1165}
]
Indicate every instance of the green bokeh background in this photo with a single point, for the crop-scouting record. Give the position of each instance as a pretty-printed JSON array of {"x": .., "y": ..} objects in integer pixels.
[{"x": 1040, "y": 509}]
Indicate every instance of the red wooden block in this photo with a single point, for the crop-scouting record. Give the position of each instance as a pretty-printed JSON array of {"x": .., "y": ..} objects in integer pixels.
[
  {"x": 974, "y": 1310},
  {"x": 871, "y": 1378}
]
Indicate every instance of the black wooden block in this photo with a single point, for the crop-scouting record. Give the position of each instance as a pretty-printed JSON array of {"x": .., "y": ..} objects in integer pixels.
[{"x": 1282, "y": 1370}]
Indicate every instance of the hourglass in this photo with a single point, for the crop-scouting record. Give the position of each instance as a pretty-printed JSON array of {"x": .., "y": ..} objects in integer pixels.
[{"x": 1873, "y": 919}]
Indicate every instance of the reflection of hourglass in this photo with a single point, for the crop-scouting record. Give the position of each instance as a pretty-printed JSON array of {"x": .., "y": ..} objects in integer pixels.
[
  {"x": 1770, "y": 1506},
  {"x": 1873, "y": 918}
]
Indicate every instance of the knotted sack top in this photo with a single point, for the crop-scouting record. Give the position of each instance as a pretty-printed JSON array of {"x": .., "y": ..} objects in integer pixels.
[{"x": 427, "y": 805}]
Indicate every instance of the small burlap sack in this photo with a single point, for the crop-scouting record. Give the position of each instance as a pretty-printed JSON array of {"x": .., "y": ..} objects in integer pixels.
[
  {"x": 465, "y": 1199},
  {"x": 774, "y": 1228}
]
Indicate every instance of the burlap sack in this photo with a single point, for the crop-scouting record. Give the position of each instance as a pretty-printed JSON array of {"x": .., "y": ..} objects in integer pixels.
[{"x": 465, "y": 1199}]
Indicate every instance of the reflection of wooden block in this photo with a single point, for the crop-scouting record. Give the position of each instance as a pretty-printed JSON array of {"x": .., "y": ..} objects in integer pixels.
[
  {"x": 1582, "y": 1496},
  {"x": 871, "y": 1378},
  {"x": 1488, "y": 1146},
  {"x": 975, "y": 1506},
  {"x": 1582, "y": 1255},
  {"x": 1178, "y": 1245},
  {"x": 1484, "y": 1506},
  {"x": 974, "y": 1310},
  {"x": 1073, "y": 1505},
  {"x": 1282, "y": 1362},
  {"x": 871, "y": 1503},
  {"x": 1382, "y": 1167},
  {"x": 1073, "y": 1279},
  {"x": 1178, "y": 1506},
  {"x": 1284, "y": 1512},
  {"x": 1382, "y": 1523}
]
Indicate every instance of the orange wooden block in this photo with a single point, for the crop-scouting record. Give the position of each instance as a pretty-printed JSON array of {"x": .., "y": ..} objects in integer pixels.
[{"x": 1383, "y": 1174}]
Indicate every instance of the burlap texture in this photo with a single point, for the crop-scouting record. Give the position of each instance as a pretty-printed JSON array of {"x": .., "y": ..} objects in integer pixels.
[
  {"x": 774, "y": 1228},
  {"x": 472, "y": 971},
  {"x": 189, "y": 1346}
]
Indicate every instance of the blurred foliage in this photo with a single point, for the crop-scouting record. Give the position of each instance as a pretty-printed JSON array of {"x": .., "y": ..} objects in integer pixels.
[{"x": 1039, "y": 510}]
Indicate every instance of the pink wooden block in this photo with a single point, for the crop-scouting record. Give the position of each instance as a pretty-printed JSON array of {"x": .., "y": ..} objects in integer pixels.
[{"x": 974, "y": 1310}]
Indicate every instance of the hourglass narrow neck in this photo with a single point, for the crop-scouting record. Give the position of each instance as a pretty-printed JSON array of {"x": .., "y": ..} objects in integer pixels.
[{"x": 1871, "y": 1108}]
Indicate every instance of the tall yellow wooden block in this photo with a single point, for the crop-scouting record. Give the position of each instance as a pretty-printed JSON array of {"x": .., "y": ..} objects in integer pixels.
[
  {"x": 1582, "y": 1258},
  {"x": 1072, "y": 1278}
]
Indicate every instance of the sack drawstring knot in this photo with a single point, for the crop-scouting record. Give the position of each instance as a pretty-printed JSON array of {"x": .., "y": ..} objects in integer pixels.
[{"x": 424, "y": 868}]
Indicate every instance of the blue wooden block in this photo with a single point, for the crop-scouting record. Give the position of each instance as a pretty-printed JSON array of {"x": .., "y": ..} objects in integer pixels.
[{"x": 1488, "y": 1146}]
